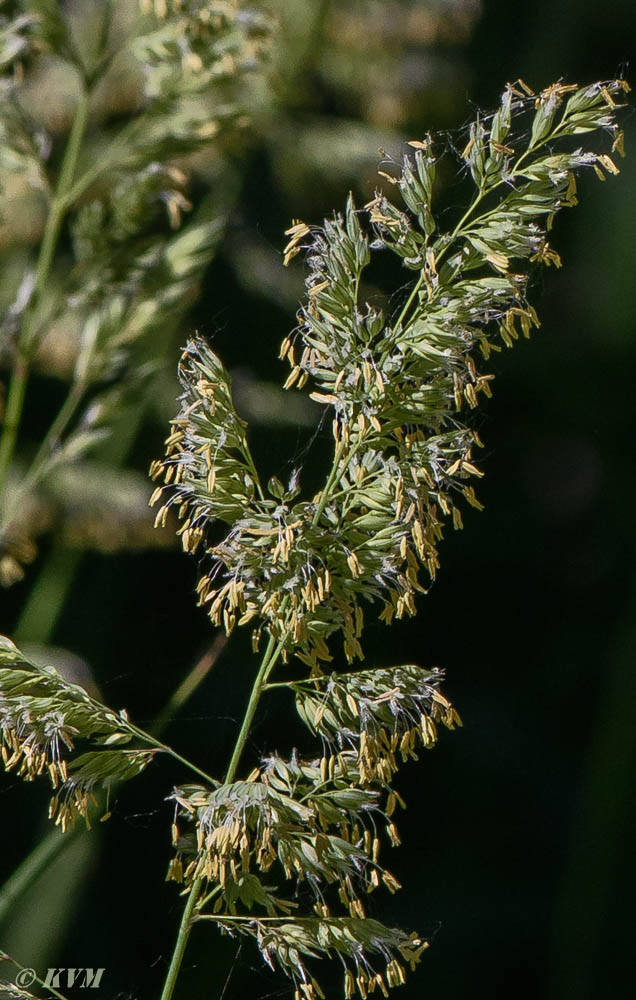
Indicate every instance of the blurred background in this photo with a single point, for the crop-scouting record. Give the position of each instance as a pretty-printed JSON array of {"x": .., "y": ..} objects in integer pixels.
[{"x": 517, "y": 859}]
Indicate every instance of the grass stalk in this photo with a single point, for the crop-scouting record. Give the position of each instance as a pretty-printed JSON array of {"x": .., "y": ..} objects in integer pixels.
[
  {"x": 270, "y": 658},
  {"x": 20, "y": 375}
]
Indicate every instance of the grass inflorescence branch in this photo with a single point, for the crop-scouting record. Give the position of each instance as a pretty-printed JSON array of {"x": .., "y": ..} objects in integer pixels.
[{"x": 399, "y": 389}]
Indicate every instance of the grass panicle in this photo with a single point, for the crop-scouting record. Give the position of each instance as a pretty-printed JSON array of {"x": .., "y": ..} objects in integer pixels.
[{"x": 289, "y": 852}]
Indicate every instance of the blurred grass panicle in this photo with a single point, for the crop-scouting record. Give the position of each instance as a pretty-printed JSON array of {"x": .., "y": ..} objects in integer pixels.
[{"x": 119, "y": 260}]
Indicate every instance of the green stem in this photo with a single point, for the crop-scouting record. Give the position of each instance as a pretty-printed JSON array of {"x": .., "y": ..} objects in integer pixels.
[
  {"x": 51, "y": 439},
  {"x": 269, "y": 659},
  {"x": 148, "y": 738},
  {"x": 324, "y": 496},
  {"x": 268, "y": 662},
  {"x": 56, "y": 430},
  {"x": 409, "y": 302},
  {"x": 13, "y": 414},
  {"x": 107, "y": 160},
  {"x": 19, "y": 378},
  {"x": 453, "y": 236},
  {"x": 183, "y": 937},
  {"x": 209, "y": 897},
  {"x": 247, "y": 455},
  {"x": 184, "y": 761},
  {"x": 261, "y": 920},
  {"x": 58, "y": 210}
]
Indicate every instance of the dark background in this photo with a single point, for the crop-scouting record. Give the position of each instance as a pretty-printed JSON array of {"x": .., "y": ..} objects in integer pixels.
[{"x": 518, "y": 839}]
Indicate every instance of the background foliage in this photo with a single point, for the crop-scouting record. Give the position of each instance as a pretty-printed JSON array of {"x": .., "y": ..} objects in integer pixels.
[{"x": 519, "y": 847}]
